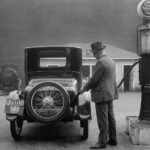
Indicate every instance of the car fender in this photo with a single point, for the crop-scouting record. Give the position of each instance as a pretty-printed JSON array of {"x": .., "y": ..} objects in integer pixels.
[
  {"x": 84, "y": 106},
  {"x": 10, "y": 117}
]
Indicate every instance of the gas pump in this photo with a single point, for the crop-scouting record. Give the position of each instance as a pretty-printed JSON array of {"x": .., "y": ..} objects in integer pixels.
[{"x": 143, "y": 50}]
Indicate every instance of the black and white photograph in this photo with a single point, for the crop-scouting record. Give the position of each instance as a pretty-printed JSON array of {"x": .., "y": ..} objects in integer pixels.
[{"x": 74, "y": 74}]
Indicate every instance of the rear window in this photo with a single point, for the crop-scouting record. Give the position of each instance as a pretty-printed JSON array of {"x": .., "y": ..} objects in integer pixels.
[{"x": 52, "y": 59}]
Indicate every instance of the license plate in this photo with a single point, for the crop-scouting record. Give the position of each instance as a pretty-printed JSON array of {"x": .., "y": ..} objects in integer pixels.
[
  {"x": 14, "y": 106},
  {"x": 12, "y": 102}
]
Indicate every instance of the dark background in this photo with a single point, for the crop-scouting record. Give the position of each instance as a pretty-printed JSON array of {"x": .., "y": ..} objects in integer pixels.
[{"x": 25, "y": 23}]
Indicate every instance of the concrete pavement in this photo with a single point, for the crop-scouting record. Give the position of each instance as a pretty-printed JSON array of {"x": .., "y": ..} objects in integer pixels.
[{"x": 67, "y": 136}]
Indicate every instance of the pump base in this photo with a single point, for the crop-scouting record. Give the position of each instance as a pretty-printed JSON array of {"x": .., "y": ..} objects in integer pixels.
[{"x": 138, "y": 131}]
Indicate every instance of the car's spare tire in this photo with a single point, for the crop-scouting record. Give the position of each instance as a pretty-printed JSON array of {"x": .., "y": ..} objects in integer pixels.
[{"x": 47, "y": 102}]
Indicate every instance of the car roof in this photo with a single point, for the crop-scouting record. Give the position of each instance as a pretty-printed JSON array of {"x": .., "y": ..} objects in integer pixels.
[{"x": 52, "y": 46}]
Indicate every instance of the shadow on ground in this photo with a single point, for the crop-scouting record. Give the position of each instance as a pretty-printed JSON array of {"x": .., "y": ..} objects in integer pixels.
[{"x": 60, "y": 133}]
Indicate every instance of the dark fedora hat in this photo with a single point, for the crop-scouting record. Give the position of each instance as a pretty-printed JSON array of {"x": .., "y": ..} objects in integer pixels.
[{"x": 97, "y": 46}]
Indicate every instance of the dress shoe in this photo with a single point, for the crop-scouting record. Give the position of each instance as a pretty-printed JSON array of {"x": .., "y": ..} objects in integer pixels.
[
  {"x": 112, "y": 142},
  {"x": 98, "y": 146}
]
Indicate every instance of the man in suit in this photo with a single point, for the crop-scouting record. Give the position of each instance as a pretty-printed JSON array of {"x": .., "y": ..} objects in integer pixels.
[{"x": 103, "y": 88}]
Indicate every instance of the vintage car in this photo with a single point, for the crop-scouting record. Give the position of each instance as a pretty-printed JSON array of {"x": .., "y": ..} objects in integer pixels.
[
  {"x": 9, "y": 80},
  {"x": 53, "y": 78}
]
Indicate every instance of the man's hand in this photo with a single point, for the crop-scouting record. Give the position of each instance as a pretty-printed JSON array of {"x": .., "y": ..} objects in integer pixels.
[{"x": 81, "y": 91}]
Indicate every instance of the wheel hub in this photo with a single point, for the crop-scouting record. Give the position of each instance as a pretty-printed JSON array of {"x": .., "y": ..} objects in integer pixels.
[{"x": 48, "y": 101}]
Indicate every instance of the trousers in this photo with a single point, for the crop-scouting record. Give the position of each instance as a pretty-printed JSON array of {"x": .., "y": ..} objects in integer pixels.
[{"x": 106, "y": 122}]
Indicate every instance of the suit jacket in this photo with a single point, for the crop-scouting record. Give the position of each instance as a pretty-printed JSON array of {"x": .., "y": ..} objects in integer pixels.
[{"x": 103, "y": 81}]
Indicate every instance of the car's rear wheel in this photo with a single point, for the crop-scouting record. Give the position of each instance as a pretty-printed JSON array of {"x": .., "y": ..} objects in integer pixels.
[
  {"x": 48, "y": 102},
  {"x": 85, "y": 126},
  {"x": 16, "y": 128}
]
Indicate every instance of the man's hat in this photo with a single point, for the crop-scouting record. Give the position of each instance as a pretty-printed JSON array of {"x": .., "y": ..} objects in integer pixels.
[{"x": 97, "y": 46}]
